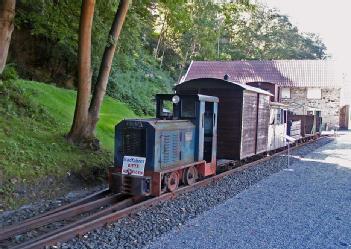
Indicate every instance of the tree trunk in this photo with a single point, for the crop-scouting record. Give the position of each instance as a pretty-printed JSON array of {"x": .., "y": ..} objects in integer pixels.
[
  {"x": 183, "y": 65},
  {"x": 161, "y": 36},
  {"x": 162, "y": 57},
  {"x": 81, "y": 117},
  {"x": 7, "y": 14},
  {"x": 105, "y": 67},
  {"x": 86, "y": 116}
]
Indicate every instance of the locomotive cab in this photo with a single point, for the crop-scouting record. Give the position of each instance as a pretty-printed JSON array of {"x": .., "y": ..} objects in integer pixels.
[
  {"x": 153, "y": 156},
  {"x": 202, "y": 111}
]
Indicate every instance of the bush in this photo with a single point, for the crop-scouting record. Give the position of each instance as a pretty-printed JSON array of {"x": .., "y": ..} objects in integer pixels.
[
  {"x": 135, "y": 82},
  {"x": 9, "y": 73}
]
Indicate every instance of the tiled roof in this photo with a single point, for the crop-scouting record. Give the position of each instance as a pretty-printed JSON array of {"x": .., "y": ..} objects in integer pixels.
[{"x": 297, "y": 73}]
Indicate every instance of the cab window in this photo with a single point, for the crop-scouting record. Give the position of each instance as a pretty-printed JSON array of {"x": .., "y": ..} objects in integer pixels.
[
  {"x": 166, "y": 108},
  {"x": 188, "y": 108}
]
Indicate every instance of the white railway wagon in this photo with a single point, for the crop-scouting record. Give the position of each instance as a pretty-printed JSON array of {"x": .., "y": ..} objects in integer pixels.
[{"x": 277, "y": 128}]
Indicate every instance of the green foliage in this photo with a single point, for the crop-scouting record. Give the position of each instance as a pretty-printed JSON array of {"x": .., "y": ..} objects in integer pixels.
[
  {"x": 56, "y": 20},
  {"x": 9, "y": 73},
  {"x": 55, "y": 25},
  {"x": 264, "y": 34},
  {"x": 231, "y": 31},
  {"x": 136, "y": 82}
]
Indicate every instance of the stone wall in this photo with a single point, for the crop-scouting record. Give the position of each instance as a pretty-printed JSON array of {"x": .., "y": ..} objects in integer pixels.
[{"x": 329, "y": 104}]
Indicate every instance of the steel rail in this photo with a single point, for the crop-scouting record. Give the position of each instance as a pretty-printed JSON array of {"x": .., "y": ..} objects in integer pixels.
[
  {"x": 134, "y": 205},
  {"x": 89, "y": 198},
  {"x": 86, "y": 199},
  {"x": 57, "y": 235},
  {"x": 56, "y": 215}
]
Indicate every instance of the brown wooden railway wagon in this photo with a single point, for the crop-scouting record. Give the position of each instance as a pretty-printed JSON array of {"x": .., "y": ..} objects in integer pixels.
[
  {"x": 294, "y": 129},
  {"x": 308, "y": 125},
  {"x": 243, "y": 115}
]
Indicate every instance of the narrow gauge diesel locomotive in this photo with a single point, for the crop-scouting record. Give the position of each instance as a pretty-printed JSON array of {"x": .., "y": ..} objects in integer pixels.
[
  {"x": 179, "y": 146},
  {"x": 206, "y": 121}
]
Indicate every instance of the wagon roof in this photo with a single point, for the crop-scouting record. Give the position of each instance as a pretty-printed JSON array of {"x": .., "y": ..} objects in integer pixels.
[
  {"x": 217, "y": 81},
  {"x": 289, "y": 73}
]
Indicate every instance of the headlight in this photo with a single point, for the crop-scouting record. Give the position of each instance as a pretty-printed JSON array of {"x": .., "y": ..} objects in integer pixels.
[{"x": 175, "y": 99}]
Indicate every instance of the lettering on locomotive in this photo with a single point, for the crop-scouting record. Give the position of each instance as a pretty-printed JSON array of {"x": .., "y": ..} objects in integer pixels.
[{"x": 133, "y": 165}]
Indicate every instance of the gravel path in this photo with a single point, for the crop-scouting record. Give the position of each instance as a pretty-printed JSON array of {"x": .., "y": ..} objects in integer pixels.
[
  {"x": 150, "y": 224},
  {"x": 307, "y": 205}
]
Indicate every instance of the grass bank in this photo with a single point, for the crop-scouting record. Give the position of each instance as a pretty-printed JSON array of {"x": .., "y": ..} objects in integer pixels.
[{"x": 33, "y": 120}]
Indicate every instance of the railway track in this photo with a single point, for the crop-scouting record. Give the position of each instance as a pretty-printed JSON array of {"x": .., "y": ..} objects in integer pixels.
[
  {"x": 97, "y": 210},
  {"x": 70, "y": 216}
]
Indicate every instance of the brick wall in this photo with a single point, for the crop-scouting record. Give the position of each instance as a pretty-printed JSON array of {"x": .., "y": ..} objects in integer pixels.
[{"x": 329, "y": 104}]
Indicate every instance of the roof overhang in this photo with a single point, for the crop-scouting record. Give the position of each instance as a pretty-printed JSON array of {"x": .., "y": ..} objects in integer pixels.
[{"x": 228, "y": 82}]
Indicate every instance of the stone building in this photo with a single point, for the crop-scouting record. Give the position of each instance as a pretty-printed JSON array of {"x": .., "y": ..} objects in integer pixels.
[{"x": 307, "y": 86}]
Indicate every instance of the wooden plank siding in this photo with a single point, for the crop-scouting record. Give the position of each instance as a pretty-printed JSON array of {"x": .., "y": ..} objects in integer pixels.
[
  {"x": 294, "y": 129},
  {"x": 229, "y": 123},
  {"x": 307, "y": 123},
  {"x": 249, "y": 124},
  {"x": 263, "y": 122},
  {"x": 255, "y": 124}
]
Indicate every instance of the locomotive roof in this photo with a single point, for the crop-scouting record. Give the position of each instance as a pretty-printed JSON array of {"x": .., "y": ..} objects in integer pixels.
[{"x": 227, "y": 83}]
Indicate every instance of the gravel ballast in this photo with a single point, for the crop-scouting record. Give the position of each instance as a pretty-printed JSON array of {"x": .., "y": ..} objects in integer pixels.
[
  {"x": 28, "y": 211},
  {"x": 147, "y": 226}
]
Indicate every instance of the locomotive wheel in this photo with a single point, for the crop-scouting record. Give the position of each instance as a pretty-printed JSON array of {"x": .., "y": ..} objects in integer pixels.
[
  {"x": 172, "y": 181},
  {"x": 190, "y": 175}
]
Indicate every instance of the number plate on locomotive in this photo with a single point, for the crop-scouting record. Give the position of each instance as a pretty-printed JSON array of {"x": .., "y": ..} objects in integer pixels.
[{"x": 133, "y": 165}]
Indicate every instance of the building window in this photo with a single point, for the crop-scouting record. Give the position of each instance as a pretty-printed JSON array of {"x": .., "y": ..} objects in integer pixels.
[
  {"x": 314, "y": 93},
  {"x": 285, "y": 93}
]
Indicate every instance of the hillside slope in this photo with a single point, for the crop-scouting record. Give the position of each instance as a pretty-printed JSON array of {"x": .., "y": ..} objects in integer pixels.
[{"x": 33, "y": 120}]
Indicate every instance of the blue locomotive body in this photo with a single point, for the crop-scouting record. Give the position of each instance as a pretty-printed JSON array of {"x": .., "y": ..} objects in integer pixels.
[
  {"x": 156, "y": 155},
  {"x": 164, "y": 143}
]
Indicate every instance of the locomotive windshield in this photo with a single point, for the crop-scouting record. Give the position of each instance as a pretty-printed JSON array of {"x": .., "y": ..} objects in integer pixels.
[
  {"x": 171, "y": 106},
  {"x": 188, "y": 108},
  {"x": 166, "y": 108}
]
